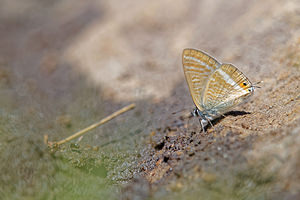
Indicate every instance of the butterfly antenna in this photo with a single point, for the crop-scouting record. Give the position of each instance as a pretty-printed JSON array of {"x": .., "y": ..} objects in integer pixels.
[{"x": 178, "y": 111}]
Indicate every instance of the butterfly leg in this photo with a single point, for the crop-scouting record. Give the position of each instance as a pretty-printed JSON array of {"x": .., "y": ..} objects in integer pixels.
[
  {"x": 211, "y": 124},
  {"x": 203, "y": 123}
]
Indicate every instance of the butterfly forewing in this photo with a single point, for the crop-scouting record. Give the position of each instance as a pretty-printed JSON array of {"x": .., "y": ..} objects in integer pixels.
[
  {"x": 226, "y": 88},
  {"x": 198, "y": 67}
]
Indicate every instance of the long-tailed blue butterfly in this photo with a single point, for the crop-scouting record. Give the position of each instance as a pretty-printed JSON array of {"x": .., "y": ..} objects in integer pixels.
[{"x": 214, "y": 87}]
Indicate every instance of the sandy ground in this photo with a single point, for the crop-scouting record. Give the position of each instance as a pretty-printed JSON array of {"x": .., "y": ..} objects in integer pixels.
[{"x": 131, "y": 52}]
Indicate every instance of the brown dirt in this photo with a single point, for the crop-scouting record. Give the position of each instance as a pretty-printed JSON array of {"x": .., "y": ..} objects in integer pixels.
[{"x": 132, "y": 52}]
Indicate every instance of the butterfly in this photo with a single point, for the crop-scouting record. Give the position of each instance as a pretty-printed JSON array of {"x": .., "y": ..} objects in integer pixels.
[{"x": 215, "y": 87}]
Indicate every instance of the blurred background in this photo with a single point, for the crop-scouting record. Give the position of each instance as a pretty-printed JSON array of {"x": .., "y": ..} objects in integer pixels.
[{"x": 65, "y": 65}]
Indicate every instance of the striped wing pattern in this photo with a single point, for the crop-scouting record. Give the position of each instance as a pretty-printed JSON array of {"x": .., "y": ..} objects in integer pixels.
[
  {"x": 226, "y": 88},
  {"x": 198, "y": 67}
]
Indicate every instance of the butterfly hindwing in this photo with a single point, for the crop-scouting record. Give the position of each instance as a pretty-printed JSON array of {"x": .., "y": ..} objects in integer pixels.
[
  {"x": 198, "y": 67},
  {"x": 226, "y": 88}
]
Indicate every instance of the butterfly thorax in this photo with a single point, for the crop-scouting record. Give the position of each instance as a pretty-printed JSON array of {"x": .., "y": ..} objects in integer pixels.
[{"x": 204, "y": 115}]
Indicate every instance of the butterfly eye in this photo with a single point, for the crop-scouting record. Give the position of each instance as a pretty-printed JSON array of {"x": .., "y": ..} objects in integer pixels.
[
  {"x": 244, "y": 84},
  {"x": 249, "y": 90}
]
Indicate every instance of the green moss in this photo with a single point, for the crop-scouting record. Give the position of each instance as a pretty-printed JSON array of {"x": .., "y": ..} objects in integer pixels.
[{"x": 93, "y": 168}]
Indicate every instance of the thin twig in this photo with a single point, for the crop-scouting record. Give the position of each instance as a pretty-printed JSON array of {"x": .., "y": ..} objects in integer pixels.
[{"x": 83, "y": 131}]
